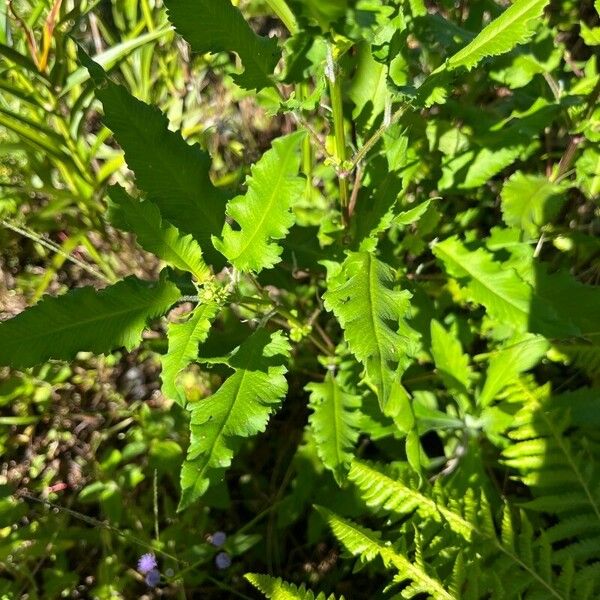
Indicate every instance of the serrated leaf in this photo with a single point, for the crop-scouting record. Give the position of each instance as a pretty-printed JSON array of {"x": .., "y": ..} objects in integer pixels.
[
  {"x": 172, "y": 174},
  {"x": 450, "y": 360},
  {"x": 239, "y": 408},
  {"x": 84, "y": 319},
  {"x": 372, "y": 312},
  {"x": 264, "y": 213},
  {"x": 521, "y": 354},
  {"x": 276, "y": 589},
  {"x": 516, "y": 25},
  {"x": 156, "y": 235},
  {"x": 218, "y": 26},
  {"x": 335, "y": 422},
  {"x": 531, "y": 201},
  {"x": 507, "y": 298},
  {"x": 184, "y": 339}
]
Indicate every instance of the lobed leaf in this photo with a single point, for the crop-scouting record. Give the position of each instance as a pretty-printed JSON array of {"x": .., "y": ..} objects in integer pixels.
[
  {"x": 335, "y": 423},
  {"x": 507, "y": 298},
  {"x": 521, "y": 354},
  {"x": 171, "y": 173},
  {"x": 84, "y": 319},
  {"x": 264, "y": 213},
  {"x": 218, "y": 26},
  {"x": 516, "y": 25},
  {"x": 239, "y": 408},
  {"x": 531, "y": 201},
  {"x": 373, "y": 312},
  {"x": 184, "y": 339},
  {"x": 450, "y": 360},
  {"x": 156, "y": 235}
]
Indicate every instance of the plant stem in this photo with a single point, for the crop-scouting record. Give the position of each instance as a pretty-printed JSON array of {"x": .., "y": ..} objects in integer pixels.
[
  {"x": 337, "y": 108},
  {"x": 569, "y": 156},
  {"x": 368, "y": 145},
  {"x": 286, "y": 16}
]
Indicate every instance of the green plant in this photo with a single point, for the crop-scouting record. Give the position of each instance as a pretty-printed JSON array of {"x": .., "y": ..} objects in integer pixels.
[{"x": 419, "y": 257}]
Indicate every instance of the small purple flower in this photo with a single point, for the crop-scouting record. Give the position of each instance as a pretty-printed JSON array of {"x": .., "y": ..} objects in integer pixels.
[
  {"x": 153, "y": 578},
  {"x": 217, "y": 539},
  {"x": 146, "y": 563},
  {"x": 222, "y": 560}
]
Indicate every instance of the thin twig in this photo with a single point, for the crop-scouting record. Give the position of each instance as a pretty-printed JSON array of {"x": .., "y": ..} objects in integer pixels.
[{"x": 49, "y": 245}]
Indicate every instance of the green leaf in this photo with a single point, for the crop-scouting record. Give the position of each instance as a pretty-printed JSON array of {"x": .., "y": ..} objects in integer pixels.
[
  {"x": 335, "y": 422},
  {"x": 276, "y": 589},
  {"x": 218, "y": 26},
  {"x": 84, "y": 320},
  {"x": 367, "y": 545},
  {"x": 114, "y": 55},
  {"x": 156, "y": 235},
  {"x": 521, "y": 354},
  {"x": 450, "y": 360},
  {"x": 239, "y": 408},
  {"x": 184, "y": 339},
  {"x": 264, "y": 213},
  {"x": 516, "y": 25},
  {"x": 590, "y": 35},
  {"x": 372, "y": 312},
  {"x": 173, "y": 174},
  {"x": 588, "y": 173},
  {"x": 531, "y": 201},
  {"x": 507, "y": 298}
]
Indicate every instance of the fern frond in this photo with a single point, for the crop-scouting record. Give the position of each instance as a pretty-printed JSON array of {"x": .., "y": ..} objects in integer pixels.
[
  {"x": 373, "y": 312},
  {"x": 368, "y": 545},
  {"x": 468, "y": 517},
  {"x": 264, "y": 213},
  {"x": 239, "y": 408},
  {"x": 558, "y": 469},
  {"x": 276, "y": 589}
]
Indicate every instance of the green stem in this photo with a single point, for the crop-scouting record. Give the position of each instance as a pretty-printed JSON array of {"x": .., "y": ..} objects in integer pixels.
[
  {"x": 337, "y": 108},
  {"x": 286, "y": 16}
]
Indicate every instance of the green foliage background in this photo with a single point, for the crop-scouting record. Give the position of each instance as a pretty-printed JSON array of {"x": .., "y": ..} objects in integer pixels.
[{"x": 319, "y": 275}]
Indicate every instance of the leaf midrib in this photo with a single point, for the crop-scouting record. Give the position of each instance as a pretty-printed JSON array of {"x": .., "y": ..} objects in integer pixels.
[
  {"x": 481, "y": 281},
  {"x": 507, "y": 23},
  {"x": 270, "y": 203},
  {"x": 82, "y": 322}
]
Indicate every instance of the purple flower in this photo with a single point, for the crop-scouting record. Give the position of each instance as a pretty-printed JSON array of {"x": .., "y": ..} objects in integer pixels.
[
  {"x": 222, "y": 560},
  {"x": 146, "y": 563},
  {"x": 218, "y": 538},
  {"x": 153, "y": 578}
]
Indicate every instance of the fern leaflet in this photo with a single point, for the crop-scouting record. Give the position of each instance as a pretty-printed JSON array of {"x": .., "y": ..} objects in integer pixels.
[{"x": 276, "y": 589}]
